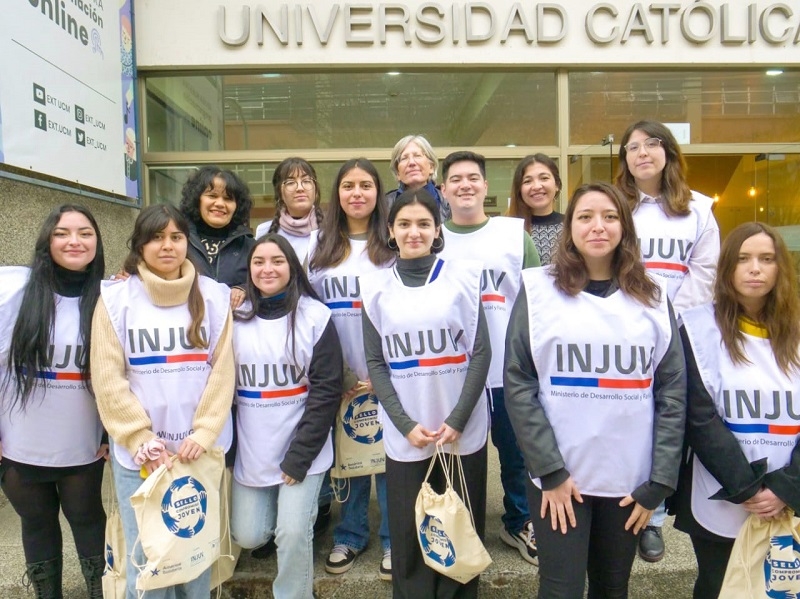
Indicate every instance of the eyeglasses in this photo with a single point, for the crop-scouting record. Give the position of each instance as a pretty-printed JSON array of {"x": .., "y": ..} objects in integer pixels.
[
  {"x": 291, "y": 184},
  {"x": 405, "y": 158},
  {"x": 651, "y": 143}
]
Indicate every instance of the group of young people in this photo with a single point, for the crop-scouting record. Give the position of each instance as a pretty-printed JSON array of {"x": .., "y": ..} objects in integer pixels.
[{"x": 604, "y": 378}]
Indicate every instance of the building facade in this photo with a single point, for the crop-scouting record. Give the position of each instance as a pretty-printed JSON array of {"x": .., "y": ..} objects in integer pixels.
[{"x": 246, "y": 85}]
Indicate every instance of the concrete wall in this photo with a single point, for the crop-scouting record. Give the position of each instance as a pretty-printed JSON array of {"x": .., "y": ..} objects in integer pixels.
[{"x": 24, "y": 207}]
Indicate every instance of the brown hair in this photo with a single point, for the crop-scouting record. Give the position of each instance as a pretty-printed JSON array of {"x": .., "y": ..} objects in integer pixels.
[
  {"x": 675, "y": 191},
  {"x": 150, "y": 221},
  {"x": 569, "y": 268},
  {"x": 333, "y": 247},
  {"x": 781, "y": 312},
  {"x": 517, "y": 207},
  {"x": 286, "y": 169}
]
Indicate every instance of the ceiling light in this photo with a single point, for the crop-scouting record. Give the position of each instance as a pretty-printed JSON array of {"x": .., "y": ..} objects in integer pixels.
[
  {"x": 774, "y": 72},
  {"x": 393, "y": 73}
]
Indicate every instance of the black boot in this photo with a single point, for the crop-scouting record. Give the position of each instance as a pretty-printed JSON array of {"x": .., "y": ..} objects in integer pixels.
[
  {"x": 92, "y": 568},
  {"x": 45, "y": 577}
]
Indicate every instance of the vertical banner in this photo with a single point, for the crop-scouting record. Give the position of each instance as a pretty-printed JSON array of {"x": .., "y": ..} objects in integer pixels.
[{"x": 67, "y": 91}]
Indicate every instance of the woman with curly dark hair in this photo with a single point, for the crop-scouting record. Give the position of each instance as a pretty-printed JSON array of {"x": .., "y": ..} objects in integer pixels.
[
  {"x": 297, "y": 211},
  {"x": 596, "y": 390},
  {"x": 217, "y": 204},
  {"x": 743, "y": 368},
  {"x": 52, "y": 452}
]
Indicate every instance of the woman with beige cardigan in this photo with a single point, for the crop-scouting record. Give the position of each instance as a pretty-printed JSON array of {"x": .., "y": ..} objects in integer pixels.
[{"x": 162, "y": 367}]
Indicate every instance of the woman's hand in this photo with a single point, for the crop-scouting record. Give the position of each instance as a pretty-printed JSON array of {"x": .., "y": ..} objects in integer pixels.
[
  {"x": 421, "y": 437},
  {"x": 288, "y": 480},
  {"x": 559, "y": 502},
  {"x": 765, "y": 504},
  {"x": 237, "y": 297},
  {"x": 190, "y": 450},
  {"x": 120, "y": 276},
  {"x": 163, "y": 458},
  {"x": 102, "y": 452},
  {"x": 359, "y": 388},
  {"x": 639, "y": 517},
  {"x": 447, "y": 434}
]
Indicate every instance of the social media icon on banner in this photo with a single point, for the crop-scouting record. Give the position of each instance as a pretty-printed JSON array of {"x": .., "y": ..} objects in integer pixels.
[
  {"x": 79, "y": 115},
  {"x": 40, "y": 120},
  {"x": 80, "y": 137},
  {"x": 39, "y": 94}
]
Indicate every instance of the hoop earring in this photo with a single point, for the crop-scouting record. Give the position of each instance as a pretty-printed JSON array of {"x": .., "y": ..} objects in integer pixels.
[
  {"x": 437, "y": 247},
  {"x": 392, "y": 243}
]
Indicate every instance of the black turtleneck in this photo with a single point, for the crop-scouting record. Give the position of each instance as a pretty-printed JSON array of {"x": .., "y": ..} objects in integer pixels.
[
  {"x": 270, "y": 308},
  {"x": 414, "y": 272},
  {"x": 206, "y": 230},
  {"x": 68, "y": 283}
]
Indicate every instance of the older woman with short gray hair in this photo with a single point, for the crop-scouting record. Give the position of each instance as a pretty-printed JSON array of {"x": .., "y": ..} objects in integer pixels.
[{"x": 414, "y": 165}]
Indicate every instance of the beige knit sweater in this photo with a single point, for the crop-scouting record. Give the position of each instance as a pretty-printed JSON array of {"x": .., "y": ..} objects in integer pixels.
[{"x": 122, "y": 414}]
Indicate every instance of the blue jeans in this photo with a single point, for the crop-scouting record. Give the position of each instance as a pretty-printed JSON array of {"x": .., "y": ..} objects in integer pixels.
[
  {"x": 288, "y": 512},
  {"x": 126, "y": 483},
  {"x": 659, "y": 516},
  {"x": 513, "y": 472},
  {"x": 353, "y": 530}
]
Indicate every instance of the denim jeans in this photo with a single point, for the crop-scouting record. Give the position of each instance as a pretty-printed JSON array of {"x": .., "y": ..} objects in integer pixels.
[
  {"x": 126, "y": 483},
  {"x": 659, "y": 516},
  {"x": 288, "y": 512},
  {"x": 513, "y": 472},
  {"x": 353, "y": 530}
]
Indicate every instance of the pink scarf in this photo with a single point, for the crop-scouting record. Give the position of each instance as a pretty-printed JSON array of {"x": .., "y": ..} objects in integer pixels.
[{"x": 300, "y": 227}]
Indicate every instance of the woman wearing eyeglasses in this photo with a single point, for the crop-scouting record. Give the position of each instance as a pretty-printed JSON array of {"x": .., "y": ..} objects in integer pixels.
[
  {"x": 678, "y": 237},
  {"x": 297, "y": 211},
  {"x": 414, "y": 165}
]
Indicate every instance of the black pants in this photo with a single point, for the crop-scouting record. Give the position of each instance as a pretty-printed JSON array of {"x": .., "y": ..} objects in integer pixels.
[
  {"x": 712, "y": 561},
  {"x": 411, "y": 578},
  {"x": 599, "y": 546},
  {"x": 38, "y": 504}
]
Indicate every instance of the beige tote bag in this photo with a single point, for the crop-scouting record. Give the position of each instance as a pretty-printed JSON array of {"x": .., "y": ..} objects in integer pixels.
[
  {"x": 445, "y": 527},
  {"x": 177, "y": 512},
  {"x": 358, "y": 440},
  {"x": 765, "y": 561},
  {"x": 116, "y": 554},
  {"x": 229, "y": 551}
]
